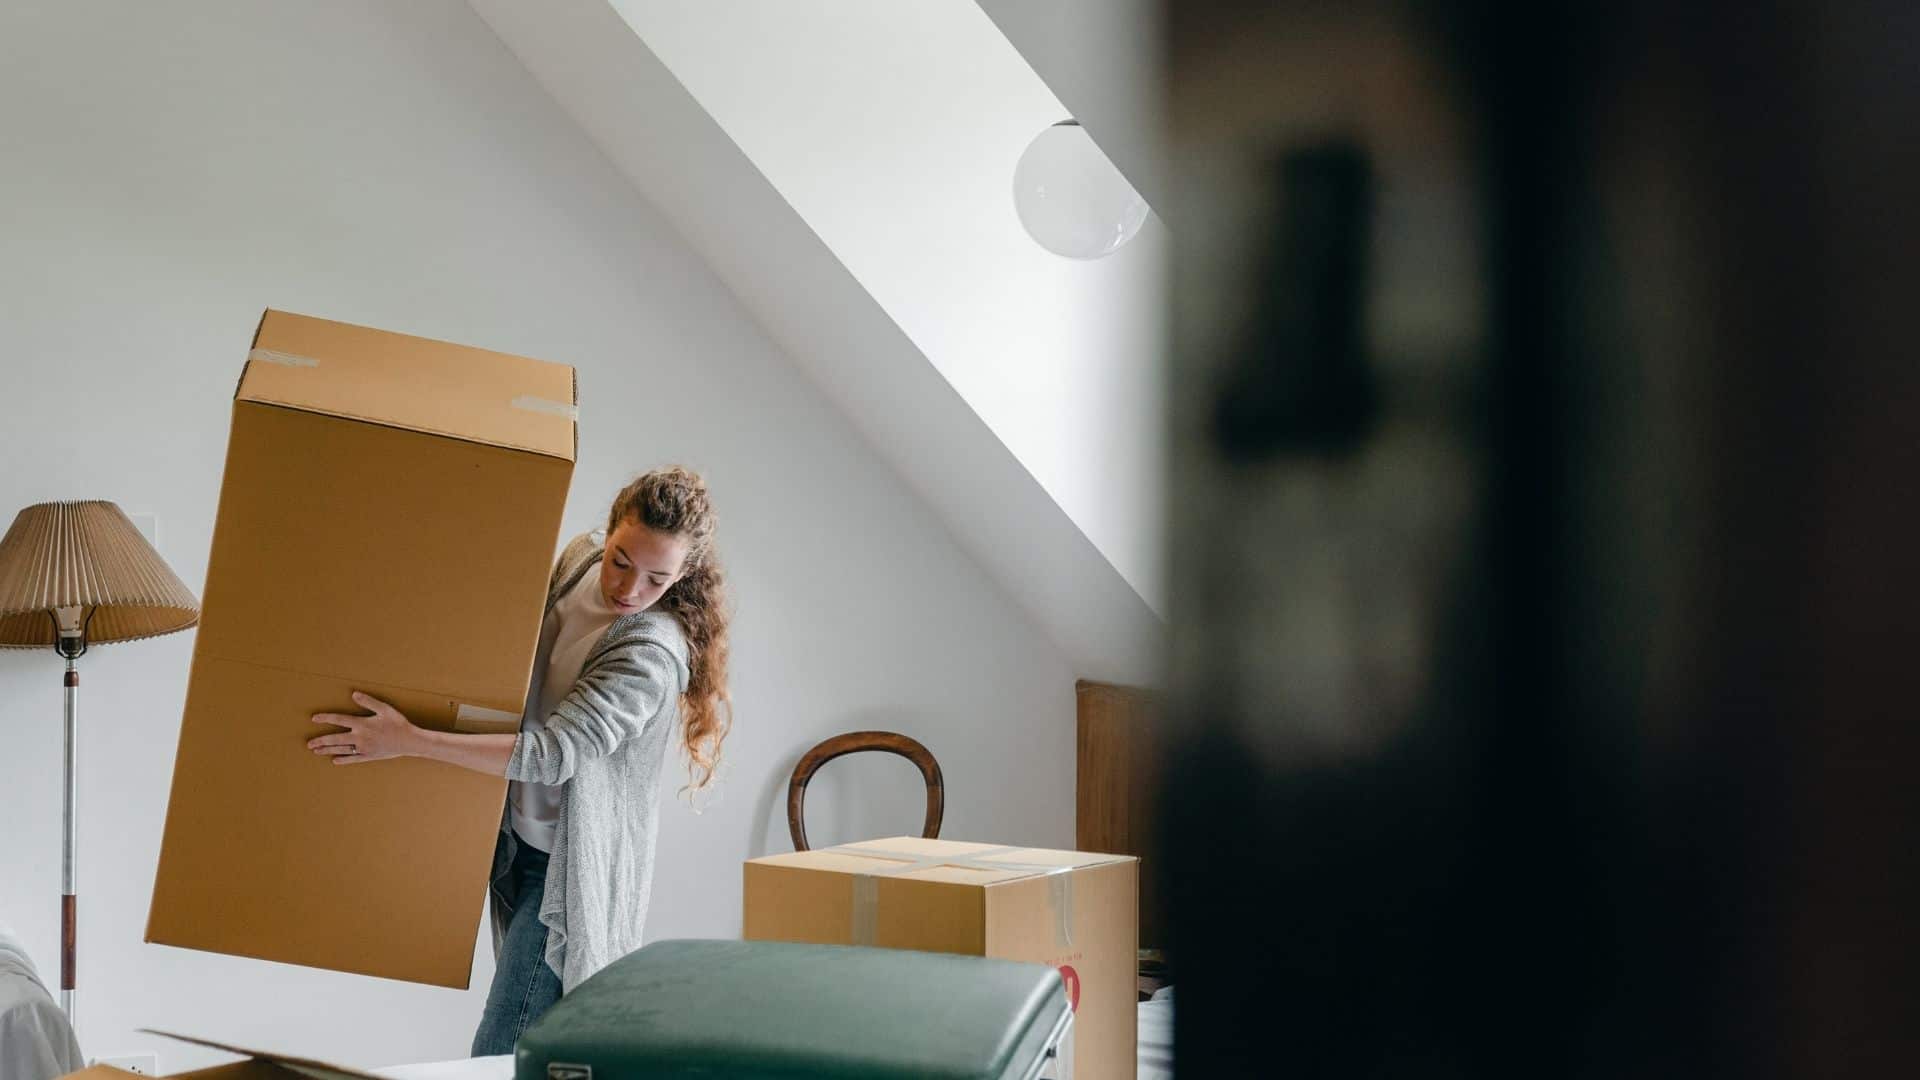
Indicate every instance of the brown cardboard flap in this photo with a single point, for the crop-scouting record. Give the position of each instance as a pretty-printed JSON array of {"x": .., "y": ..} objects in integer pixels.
[
  {"x": 250, "y": 1069},
  {"x": 317, "y": 1070},
  {"x": 410, "y": 382}
]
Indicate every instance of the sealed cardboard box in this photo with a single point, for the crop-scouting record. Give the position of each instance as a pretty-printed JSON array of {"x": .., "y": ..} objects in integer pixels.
[
  {"x": 387, "y": 523},
  {"x": 1075, "y": 910}
]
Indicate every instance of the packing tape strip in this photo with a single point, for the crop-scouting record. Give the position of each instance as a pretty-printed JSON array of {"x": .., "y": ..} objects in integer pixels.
[
  {"x": 547, "y": 405},
  {"x": 866, "y": 887},
  {"x": 474, "y": 718},
  {"x": 866, "y": 908},
  {"x": 284, "y": 359},
  {"x": 975, "y": 861},
  {"x": 1060, "y": 895}
]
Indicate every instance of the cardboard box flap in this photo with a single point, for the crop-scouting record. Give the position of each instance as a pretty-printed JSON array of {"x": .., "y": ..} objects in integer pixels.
[
  {"x": 950, "y": 861},
  {"x": 419, "y": 384},
  {"x": 317, "y": 1070}
]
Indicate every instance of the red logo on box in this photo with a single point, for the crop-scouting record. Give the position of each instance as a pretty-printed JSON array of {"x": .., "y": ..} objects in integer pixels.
[{"x": 1072, "y": 979}]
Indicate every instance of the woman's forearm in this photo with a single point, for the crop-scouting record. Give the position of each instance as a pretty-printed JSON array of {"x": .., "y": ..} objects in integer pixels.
[{"x": 482, "y": 753}]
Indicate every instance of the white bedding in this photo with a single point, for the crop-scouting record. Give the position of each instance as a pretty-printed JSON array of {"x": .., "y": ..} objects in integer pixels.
[{"x": 36, "y": 1042}]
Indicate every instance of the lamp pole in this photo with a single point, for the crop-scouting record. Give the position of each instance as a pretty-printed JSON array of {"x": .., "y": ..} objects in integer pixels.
[
  {"x": 70, "y": 641},
  {"x": 69, "y": 916}
]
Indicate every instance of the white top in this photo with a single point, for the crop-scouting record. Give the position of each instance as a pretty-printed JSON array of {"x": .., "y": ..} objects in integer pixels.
[{"x": 577, "y": 624}]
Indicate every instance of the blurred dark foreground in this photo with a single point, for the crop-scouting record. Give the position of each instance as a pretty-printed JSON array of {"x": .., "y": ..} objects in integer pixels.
[{"x": 1547, "y": 419}]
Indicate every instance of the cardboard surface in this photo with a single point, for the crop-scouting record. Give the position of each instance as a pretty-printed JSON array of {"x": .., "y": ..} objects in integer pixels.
[
  {"x": 358, "y": 550},
  {"x": 258, "y": 1065},
  {"x": 1078, "y": 911},
  {"x": 357, "y": 555},
  {"x": 411, "y": 382}
]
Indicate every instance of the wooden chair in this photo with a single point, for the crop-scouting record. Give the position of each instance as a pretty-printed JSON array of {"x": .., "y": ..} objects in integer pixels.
[{"x": 854, "y": 742}]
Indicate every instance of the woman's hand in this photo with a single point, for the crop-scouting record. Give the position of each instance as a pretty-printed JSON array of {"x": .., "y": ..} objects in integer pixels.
[{"x": 385, "y": 734}]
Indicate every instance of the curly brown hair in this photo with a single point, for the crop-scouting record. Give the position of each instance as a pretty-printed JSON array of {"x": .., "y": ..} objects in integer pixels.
[{"x": 674, "y": 500}]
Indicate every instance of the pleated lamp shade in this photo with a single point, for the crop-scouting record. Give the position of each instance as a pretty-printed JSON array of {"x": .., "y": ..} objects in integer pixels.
[{"x": 87, "y": 555}]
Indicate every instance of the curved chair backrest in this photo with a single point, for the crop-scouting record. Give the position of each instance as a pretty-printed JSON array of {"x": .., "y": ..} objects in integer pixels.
[{"x": 854, "y": 742}]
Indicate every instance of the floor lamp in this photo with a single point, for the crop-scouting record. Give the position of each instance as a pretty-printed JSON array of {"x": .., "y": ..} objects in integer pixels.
[{"x": 75, "y": 574}]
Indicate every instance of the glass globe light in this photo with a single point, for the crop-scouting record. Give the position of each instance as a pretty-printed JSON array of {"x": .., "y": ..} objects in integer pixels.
[{"x": 1071, "y": 199}]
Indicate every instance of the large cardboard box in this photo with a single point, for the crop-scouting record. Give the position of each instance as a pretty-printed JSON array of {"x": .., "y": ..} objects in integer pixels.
[
  {"x": 387, "y": 523},
  {"x": 1073, "y": 909}
]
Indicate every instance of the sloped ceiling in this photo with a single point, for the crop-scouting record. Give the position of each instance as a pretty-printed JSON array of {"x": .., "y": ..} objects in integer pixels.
[
  {"x": 1102, "y": 59},
  {"x": 678, "y": 156},
  {"x": 894, "y": 129},
  {"x": 802, "y": 291}
]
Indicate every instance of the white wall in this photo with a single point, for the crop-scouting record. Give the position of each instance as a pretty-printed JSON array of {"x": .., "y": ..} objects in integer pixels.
[
  {"x": 893, "y": 128},
  {"x": 172, "y": 169}
]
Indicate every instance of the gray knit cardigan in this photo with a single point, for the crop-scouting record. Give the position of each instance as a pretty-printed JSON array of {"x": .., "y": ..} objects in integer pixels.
[{"x": 606, "y": 741}]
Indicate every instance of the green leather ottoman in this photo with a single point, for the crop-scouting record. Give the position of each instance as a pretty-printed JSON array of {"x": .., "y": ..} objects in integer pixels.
[{"x": 761, "y": 1010}]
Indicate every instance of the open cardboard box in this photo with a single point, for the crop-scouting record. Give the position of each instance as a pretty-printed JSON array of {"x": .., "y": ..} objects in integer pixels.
[{"x": 259, "y": 1065}]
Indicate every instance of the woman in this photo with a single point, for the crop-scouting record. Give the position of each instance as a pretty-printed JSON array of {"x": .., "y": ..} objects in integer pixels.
[{"x": 623, "y": 654}]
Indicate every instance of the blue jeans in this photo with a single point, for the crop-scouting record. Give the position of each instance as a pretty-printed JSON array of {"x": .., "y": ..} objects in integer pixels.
[{"x": 524, "y": 986}]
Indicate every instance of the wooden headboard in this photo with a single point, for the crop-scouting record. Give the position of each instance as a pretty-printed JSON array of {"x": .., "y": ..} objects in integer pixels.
[{"x": 1114, "y": 784}]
